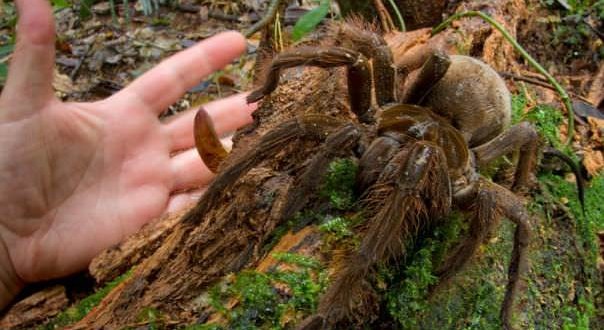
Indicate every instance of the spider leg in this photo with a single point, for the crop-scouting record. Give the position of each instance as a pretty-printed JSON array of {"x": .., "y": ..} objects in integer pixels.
[
  {"x": 484, "y": 216},
  {"x": 314, "y": 127},
  {"x": 338, "y": 143},
  {"x": 522, "y": 136},
  {"x": 431, "y": 72},
  {"x": 359, "y": 74},
  {"x": 373, "y": 161},
  {"x": 492, "y": 201},
  {"x": 398, "y": 204},
  {"x": 360, "y": 36},
  {"x": 208, "y": 144},
  {"x": 513, "y": 209}
]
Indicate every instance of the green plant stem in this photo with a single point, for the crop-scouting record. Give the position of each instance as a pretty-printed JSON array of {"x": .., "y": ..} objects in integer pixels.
[
  {"x": 561, "y": 91},
  {"x": 398, "y": 15},
  {"x": 126, "y": 10},
  {"x": 113, "y": 11}
]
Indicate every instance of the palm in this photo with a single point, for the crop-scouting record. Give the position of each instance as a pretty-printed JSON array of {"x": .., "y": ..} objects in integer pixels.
[
  {"x": 108, "y": 178},
  {"x": 82, "y": 176}
]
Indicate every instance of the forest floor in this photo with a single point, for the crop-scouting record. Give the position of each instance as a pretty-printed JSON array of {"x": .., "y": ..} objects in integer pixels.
[{"x": 100, "y": 54}]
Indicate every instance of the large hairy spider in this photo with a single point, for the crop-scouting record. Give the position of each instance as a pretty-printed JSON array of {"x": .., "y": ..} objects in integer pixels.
[{"x": 420, "y": 163}]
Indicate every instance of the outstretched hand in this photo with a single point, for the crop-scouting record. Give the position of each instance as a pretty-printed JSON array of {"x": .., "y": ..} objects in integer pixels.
[{"x": 76, "y": 178}]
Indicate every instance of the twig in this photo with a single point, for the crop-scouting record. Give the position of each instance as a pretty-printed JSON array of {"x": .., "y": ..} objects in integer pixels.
[
  {"x": 561, "y": 91},
  {"x": 74, "y": 73},
  {"x": 539, "y": 83},
  {"x": 269, "y": 16},
  {"x": 385, "y": 19},
  {"x": 194, "y": 9},
  {"x": 6, "y": 58}
]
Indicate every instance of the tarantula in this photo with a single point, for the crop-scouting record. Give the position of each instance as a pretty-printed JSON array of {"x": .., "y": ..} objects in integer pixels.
[{"x": 421, "y": 161}]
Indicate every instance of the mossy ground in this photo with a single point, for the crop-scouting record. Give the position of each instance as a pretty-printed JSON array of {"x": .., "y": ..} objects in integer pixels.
[{"x": 83, "y": 307}]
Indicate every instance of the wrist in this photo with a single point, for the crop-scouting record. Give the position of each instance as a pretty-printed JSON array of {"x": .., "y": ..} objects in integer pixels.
[{"x": 10, "y": 283}]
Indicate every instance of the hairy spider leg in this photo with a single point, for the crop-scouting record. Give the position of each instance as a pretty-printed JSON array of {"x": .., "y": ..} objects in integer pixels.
[
  {"x": 523, "y": 137},
  {"x": 359, "y": 73},
  {"x": 405, "y": 197},
  {"x": 338, "y": 144},
  {"x": 363, "y": 37},
  {"x": 208, "y": 143},
  {"x": 310, "y": 126},
  {"x": 374, "y": 160},
  {"x": 431, "y": 72},
  {"x": 491, "y": 202},
  {"x": 513, "y": 209},
  {"x": 484, "y": 217}
]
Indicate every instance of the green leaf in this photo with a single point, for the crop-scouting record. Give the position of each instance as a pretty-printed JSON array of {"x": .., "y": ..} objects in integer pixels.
[
  {"x": 60, "y": 4},
  {"x": 86, "y": 9},
  {"x": 310, "y": 20},
  {"x": 3, "y": 73}
]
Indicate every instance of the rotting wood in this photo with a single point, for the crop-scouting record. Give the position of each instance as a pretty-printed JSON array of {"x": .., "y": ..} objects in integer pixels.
[{"x": 35, "y": 309}]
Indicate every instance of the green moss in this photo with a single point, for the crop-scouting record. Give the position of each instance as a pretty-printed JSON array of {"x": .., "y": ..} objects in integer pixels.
[
  {"x": 263, "y": 306},
  {"x": 152, "y": 318},
  {"x": 339, "y": 227},
  {"x": 547, "y": 119},
  {"x": 297, "y": 260},
  {"x": 304, "y": 288},
  {"x": 410, "y": 297},
  {"x": 519, "y": 102},
  {"x": 407, "y": 298},
  {"x": 82, "y": 308},
  {"x": 580, "y": 318},
  {"x": 561, "y": 191},
  {"x": 558, "y": 191},
  {"x": 339, "y": 183}
]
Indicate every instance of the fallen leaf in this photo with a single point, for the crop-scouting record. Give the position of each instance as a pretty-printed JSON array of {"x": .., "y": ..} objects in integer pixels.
[
  {"x": 593, "y": 161},
  {"x": 597, "y": 129}
]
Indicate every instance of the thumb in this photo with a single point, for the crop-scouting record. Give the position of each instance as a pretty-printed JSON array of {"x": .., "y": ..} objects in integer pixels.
[{"x": 29, "y": 82}]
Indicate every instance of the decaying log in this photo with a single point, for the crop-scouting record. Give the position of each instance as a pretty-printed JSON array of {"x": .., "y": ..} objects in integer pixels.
[
  {"x": 117, "y": 260},
  {"x": 35, "y": 309}
]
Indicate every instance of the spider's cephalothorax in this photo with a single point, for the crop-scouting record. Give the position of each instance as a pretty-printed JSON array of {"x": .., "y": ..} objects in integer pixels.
[{"x": 420, "y": 165}]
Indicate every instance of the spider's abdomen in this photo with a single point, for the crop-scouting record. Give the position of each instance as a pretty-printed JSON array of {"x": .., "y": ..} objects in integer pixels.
[
  {"x": 474, "y": 97},
  {"x": 422, "y": 124}
]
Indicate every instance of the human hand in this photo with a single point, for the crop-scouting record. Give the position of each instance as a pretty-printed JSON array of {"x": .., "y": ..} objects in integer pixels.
[{"x": 76, "y": 178}]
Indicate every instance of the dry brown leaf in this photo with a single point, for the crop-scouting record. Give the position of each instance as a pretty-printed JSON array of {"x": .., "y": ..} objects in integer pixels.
[
  {"x": 593, "y": 161},
  {"x": 596, "y": 93},
  {"x": 597, "y": 129}
]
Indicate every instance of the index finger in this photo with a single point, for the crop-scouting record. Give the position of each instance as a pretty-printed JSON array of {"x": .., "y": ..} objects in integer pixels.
[{"x": 163, "y": 85}]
